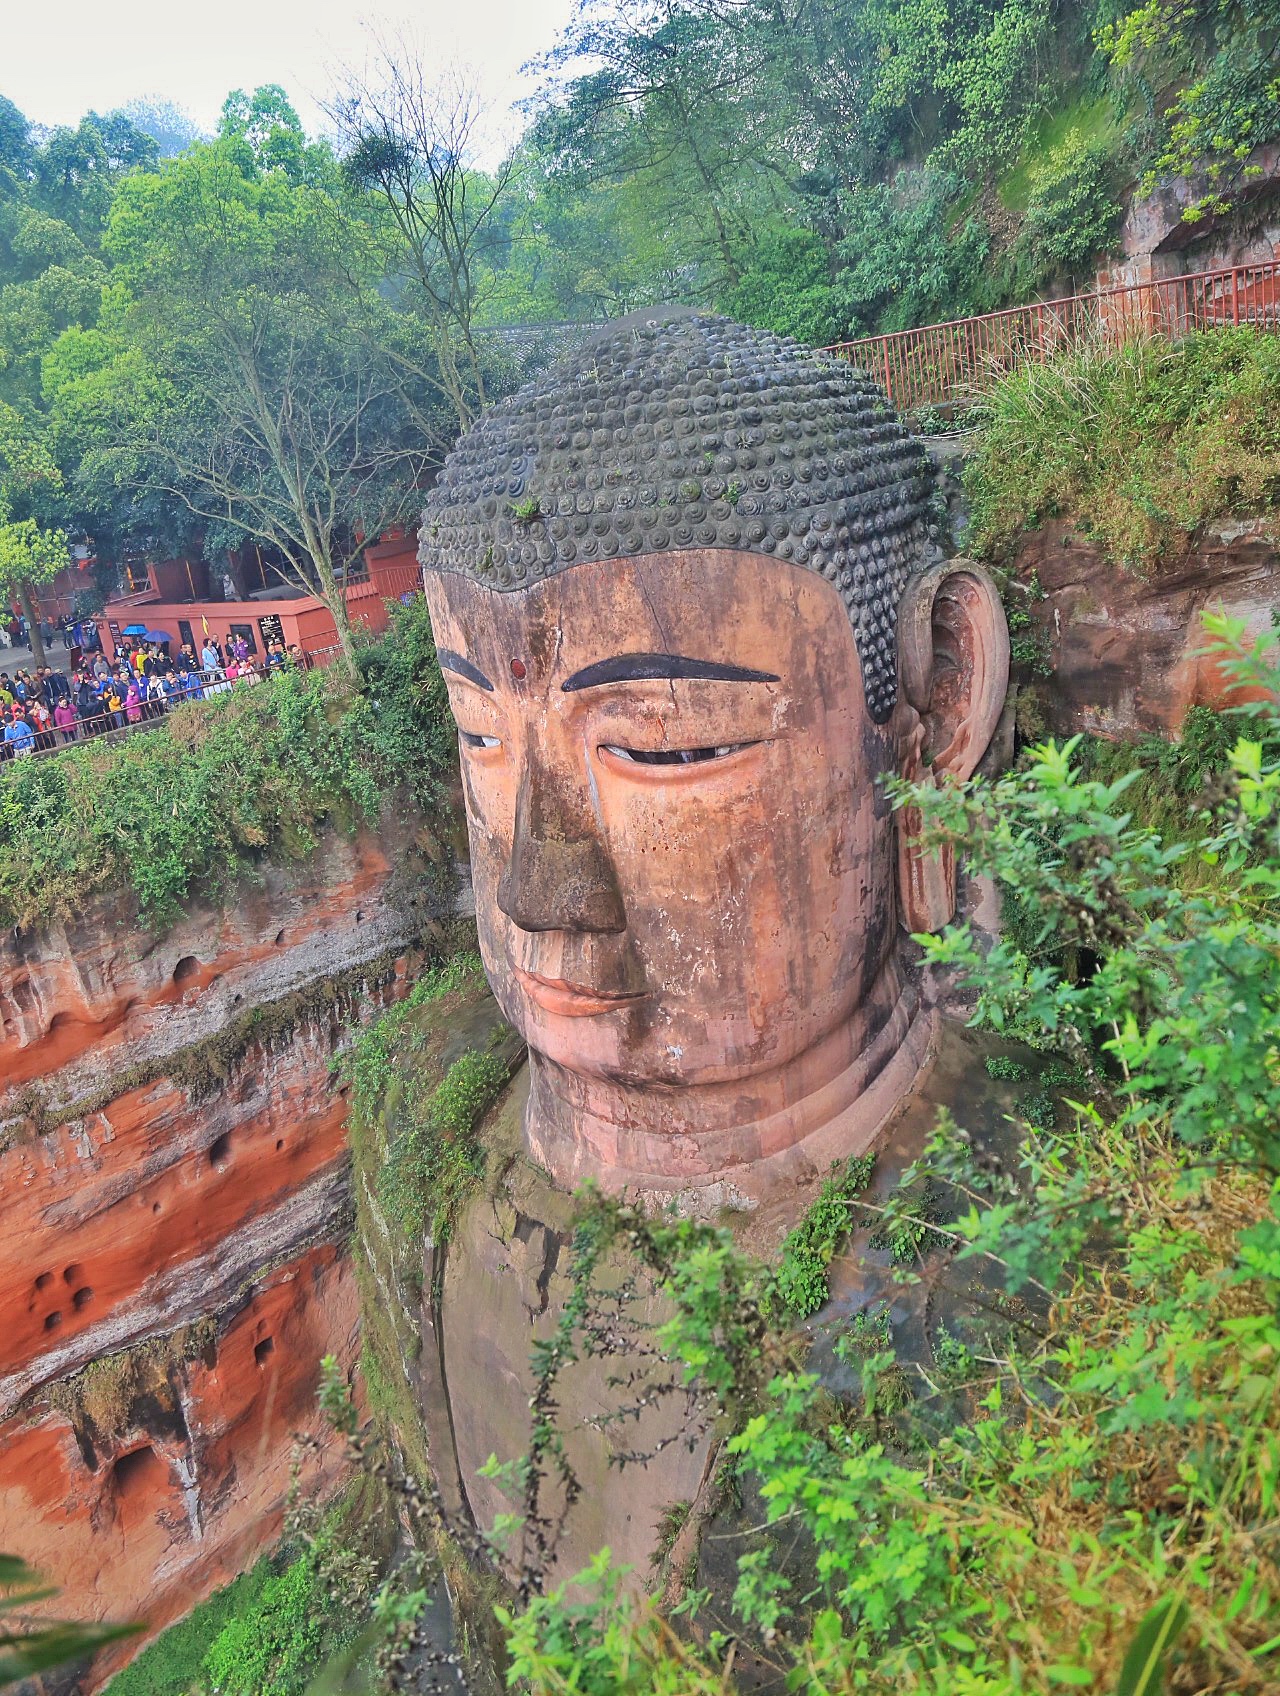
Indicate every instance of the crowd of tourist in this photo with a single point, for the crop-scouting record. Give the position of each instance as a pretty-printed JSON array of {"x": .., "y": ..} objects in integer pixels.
[
  {"x": 44, "y": 708},
  {"x": 75, "y": 633}
]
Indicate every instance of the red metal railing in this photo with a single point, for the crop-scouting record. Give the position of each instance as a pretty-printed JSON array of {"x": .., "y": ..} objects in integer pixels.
[{"x": 958, "y": 362}]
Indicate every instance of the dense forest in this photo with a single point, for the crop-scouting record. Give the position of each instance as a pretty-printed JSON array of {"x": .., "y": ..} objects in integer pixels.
[{"x": 260, "y": 335}]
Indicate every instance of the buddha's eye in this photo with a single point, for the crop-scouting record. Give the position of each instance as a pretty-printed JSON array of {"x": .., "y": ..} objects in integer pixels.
[
  {"x": 470, "y": 739},
  {"x": 673, "y": 756}
]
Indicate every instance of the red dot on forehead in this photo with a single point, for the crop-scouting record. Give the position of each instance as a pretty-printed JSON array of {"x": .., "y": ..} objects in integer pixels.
[{"x": 517, "y": 668}]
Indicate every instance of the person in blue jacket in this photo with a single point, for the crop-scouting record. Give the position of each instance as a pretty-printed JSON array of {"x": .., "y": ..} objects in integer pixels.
[{"x": 19, "y": 738}]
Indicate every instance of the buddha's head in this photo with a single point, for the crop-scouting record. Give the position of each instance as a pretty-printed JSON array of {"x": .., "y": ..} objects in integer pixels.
[{"x": 684, "y": 603}]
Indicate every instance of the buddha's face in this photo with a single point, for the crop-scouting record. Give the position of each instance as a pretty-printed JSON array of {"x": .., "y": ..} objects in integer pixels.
[{"x": 683, "y": 864}]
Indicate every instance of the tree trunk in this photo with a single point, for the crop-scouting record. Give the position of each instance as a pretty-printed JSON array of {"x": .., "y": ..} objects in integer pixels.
[
  {"x": 347, "y": 646},
  {"x": 32, "y": 616},
  {"x": 332, "y": 591}
]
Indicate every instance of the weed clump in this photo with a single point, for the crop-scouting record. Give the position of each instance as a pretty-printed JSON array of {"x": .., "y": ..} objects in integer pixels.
[
  {"x": 1136, "y": 446},
  {"x": 808, "y": 1250}
]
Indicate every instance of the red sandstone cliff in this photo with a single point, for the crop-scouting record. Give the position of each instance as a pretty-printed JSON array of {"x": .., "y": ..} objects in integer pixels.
[
  {"x": 175, "y": 1203},
  {"x": 1127, "y": 651}
]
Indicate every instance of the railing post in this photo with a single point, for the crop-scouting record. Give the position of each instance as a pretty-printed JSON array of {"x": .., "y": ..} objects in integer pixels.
[
  {"x": 888, "y": 380},
  {"x": 1235, "y": 296}
]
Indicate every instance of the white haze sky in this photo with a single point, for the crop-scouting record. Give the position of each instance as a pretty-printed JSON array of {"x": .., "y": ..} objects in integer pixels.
[{"x": 59, "y": 58}]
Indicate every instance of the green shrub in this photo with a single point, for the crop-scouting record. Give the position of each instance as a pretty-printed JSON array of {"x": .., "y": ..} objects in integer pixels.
[
  {"x": 173, "y": 1663},
  {"x": 272, "y": 1648},
  {"x": 1137, "y": 446},
  {"x": 220, "y": 784},
  {"x": 905, "y": 257},
  {"x": 270, "y": 1631},
  {"x": 788, "y": 289},
  {"x": 808, "y": 1250},
  {"x": 1072, "y": 213},
  {"x": 436, "y": 1161}
]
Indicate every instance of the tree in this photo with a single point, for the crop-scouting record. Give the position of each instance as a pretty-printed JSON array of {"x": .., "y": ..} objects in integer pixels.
[
  {"x": 237, "y": 377},
  {"x": 266, "y": 134},
  {"x": 170, "y": 126},
  {"x": 677, "y": 97},
  {"x": 30, "y": 552},
  {"x": 15, "y": 144},
  {"x": 77, "y": 170},
  {"x": 408, "y": 142}
]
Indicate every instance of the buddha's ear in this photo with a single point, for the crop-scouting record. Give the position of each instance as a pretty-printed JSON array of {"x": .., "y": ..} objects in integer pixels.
[{"x": 953, "y": 670}]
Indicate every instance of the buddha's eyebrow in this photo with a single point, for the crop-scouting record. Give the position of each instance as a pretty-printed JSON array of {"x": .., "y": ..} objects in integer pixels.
[
  {"x": 642, "y": 668},
  {"x": 449, "y": 661}
]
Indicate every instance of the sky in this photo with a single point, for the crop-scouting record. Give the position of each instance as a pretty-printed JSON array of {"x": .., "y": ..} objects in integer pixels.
[{"x": 62, "y": 57}]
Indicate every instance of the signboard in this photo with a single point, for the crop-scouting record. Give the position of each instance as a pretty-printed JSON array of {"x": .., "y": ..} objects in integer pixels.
[{"x": 271, "y": 628}]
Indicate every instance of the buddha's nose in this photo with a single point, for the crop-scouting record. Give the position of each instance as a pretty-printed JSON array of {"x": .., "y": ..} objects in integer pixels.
[{"x": 559, "y": 875}]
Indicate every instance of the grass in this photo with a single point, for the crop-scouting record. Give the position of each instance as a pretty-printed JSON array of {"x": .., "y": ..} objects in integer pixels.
[
  {"x": 1094, "y": 120},
  {"x": 1137, "y": 447},
  {"x": 271, "y": 1630},
  {"x": 414, "y": 1111},
  {"x": 437, "y": 1161}
]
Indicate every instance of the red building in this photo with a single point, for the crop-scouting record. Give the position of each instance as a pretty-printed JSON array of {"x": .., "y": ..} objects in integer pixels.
[{"x": 179, "y": 599}]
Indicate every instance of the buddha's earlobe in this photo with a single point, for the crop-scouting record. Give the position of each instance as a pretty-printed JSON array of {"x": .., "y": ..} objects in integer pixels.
[{"x": 953, "y": 670}]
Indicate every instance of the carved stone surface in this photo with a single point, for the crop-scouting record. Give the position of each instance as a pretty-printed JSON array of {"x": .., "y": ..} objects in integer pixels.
[
  {"x": 688, "y": 874},
  {"x": 671, "y": 430}
]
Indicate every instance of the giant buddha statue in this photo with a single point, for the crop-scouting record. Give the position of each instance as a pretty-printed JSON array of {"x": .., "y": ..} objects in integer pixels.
[{"x": 689, "y": 612}]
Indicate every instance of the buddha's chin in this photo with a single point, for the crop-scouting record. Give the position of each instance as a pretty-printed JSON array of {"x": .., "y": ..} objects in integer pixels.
[{"x": 624, "y": 1047}]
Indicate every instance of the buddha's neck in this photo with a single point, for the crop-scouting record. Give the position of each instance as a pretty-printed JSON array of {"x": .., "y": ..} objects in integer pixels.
[{"x": 745, "y": 1136}]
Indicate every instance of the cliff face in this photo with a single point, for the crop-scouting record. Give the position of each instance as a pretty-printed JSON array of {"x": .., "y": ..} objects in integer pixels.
[
  {"x": 1127, "y": 651},
  {"x": 176, "y": 1201}
]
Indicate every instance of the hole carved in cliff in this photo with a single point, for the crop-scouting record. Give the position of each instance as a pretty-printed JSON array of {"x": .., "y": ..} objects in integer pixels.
[
  {"x": 72, "y": 1274},
  {"x": 220, "y": 1152},
  {"x": 263, "y": 1350},
  {"x": 81, "y": 1299},
  {"x": 52, "y": 1321},
  {"x": 44, "y": 1280},
  {"x": 279, "y": 939},
  {"x": 186, "y": 969},
  {"x": 279, "y": 1144},
  {"x": 138, "y": 1472}
]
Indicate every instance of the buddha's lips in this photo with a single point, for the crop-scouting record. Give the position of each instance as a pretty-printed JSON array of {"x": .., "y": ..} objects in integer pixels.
[{"x": 574, "y": 1000}]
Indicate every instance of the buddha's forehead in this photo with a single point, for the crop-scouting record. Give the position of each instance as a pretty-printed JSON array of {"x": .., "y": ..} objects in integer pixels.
[
  {"x": 692, "y": 435},
  {"x": 721, "y": 609}
]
